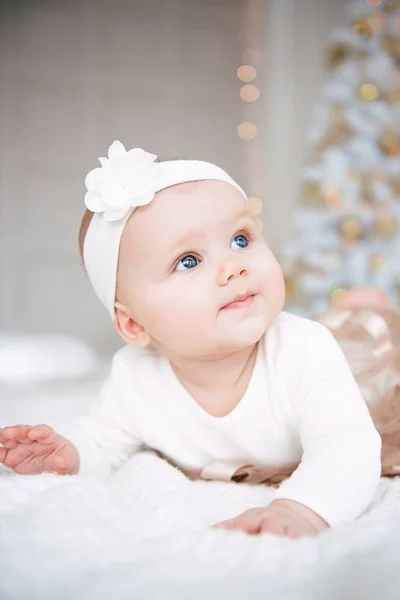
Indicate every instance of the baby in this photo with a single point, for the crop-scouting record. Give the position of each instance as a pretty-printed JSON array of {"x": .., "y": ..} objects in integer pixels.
[{"x": 213, "y": 371}]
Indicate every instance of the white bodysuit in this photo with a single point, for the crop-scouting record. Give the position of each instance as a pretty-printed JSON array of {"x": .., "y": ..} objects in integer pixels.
[{"x": 302, "y": 403}]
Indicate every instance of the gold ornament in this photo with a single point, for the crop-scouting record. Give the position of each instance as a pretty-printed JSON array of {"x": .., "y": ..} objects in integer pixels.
[
  {"x": 389, "y": 143},
  {"x": 375, "y": 262},
  {"x": 368, "y": 91},
  {"x": 337, "y": 53},
  {"x": 352, "y": 229},
  {"x": 392, "y": 6},
  {"x": 339, "y": 131},
  {"x": 363, "y": 28},
  {"x": 335, "y": 136},
  {"x": 395, "y": 185},
  {"x": 311, "y": 192},
  {"x": 337, "y": 294},
  {"x": 385, "y": 225},
  {"x": 290, "y": 287},
  {"x": 391, "y": 45}
]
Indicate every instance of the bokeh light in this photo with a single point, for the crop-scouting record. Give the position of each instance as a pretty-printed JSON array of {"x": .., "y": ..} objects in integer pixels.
[
  {"x": 247, "y": 130},
  {"x": 255, "y": 204},
  {"x": 246, "y": 73},
  {"x": 249, "y": 93}
]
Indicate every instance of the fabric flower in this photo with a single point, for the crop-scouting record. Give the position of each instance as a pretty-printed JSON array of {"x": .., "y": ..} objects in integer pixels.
[{"x": 123, "y": 181}]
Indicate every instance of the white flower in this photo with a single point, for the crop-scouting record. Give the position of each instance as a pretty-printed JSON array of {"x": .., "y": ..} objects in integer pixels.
[{"x": 123, "y": 181}]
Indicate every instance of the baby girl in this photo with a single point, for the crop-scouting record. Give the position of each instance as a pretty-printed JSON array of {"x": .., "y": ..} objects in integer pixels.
[{"x": 214, "y": 373}]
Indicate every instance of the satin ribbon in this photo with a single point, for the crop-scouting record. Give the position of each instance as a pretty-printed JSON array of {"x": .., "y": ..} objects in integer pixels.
[{"x": 369, "y": 321}]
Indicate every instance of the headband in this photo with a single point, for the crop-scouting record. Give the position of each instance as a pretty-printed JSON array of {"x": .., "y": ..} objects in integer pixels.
[{"x": 126, "y": 180}]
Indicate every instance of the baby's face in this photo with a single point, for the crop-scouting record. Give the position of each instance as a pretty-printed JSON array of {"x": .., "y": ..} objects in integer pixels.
[{"x": 184, "y": 257}]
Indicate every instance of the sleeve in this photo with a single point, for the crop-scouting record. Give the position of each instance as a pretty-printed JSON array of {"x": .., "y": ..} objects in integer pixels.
[
  {"x": 341, "y": 462},
  {"x": 107, "y": 436}
]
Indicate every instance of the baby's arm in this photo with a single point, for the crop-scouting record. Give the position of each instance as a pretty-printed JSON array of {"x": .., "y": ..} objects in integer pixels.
[
  {"x": 101, "y": 441},
  {"x": 341, "y": 463},
  {"x": 107, "y": 435}
]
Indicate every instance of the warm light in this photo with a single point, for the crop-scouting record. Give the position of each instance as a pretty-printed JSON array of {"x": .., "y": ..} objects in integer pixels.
[
  {"x": 374, "y": 2},
  {"x": 249, "y": 93},
  {"x": 255, "y": 204},
  {"x": 338, "y": 294},
  {"x": 247, "y": 130},
  {"x": 333, "y": 197},
  {"x": 368, "y": 91},
  {"x": 363, "y": 28},
  {"x": 246, "y": 73}
]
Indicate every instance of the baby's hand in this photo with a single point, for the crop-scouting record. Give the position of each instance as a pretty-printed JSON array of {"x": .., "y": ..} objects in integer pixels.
[
  {"x": 31, "y": 450},
  {"x": 281, "y": 517}
]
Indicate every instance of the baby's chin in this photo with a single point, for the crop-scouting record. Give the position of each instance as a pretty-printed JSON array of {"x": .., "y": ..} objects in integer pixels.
[
  {"x": 246, "y": 325},
  {"x": 243, "y": 334}
]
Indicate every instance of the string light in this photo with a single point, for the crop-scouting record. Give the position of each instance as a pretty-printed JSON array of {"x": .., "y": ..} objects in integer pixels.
[
  {"x": 249, "y": 93},
  {"x": 250, "y": 38},
  {"x": 255, "y": 205},
  {"x": 246, "y": 73},
  {"x": 247, "y": 130}
]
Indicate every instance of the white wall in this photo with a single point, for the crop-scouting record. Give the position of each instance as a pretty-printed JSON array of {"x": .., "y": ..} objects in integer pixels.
[{"x": 76, "y": 74}]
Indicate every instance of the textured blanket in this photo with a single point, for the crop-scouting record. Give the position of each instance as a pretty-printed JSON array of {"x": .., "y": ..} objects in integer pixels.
[{"x": 145, "y": 533}]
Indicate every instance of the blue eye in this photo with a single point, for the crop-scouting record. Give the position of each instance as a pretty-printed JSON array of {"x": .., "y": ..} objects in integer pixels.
[
  {"x": 242, "y": 241},
  {"x": 188, "y": 262}
]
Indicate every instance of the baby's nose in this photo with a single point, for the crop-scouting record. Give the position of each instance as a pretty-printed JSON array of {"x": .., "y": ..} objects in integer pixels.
[{"x": 230, "y": 269}]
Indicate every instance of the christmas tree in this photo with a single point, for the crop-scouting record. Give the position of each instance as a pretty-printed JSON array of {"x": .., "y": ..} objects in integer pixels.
[{"x": 347, "y": 225}]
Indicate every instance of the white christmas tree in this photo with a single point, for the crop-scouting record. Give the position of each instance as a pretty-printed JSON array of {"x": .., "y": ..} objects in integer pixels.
[{"x": 347, "y": 226}]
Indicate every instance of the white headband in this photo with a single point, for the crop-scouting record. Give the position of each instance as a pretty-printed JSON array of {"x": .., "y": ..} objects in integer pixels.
[{"x": 125, "y": 181}]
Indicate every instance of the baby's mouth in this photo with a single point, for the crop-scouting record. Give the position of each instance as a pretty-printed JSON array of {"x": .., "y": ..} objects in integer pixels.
[{"x": 241, "y": 301}]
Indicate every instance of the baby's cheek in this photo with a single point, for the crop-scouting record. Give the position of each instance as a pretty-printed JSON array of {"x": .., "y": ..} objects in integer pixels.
[{"x": 184, "y": 309}]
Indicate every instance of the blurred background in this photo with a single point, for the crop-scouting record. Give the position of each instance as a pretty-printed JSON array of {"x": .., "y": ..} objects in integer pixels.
[{"x": 293, "y": 98}]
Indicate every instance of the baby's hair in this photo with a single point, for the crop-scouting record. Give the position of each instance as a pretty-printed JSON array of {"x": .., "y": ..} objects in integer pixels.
[{"x": 87, "y": 217}]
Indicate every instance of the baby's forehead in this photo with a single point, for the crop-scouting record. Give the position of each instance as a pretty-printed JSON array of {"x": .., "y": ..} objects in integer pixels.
[{"x": 179, "y": 209}]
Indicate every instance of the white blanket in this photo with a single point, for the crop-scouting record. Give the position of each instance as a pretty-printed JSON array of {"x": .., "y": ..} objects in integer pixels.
[{"x": 145, "y": 533}]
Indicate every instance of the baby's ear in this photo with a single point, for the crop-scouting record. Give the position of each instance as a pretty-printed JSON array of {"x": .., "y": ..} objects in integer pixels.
[{"x": 129, "y": 329}]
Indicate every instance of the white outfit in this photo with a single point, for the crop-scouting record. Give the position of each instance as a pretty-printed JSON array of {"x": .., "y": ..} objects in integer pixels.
[{"x": 302, "y": 403}]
